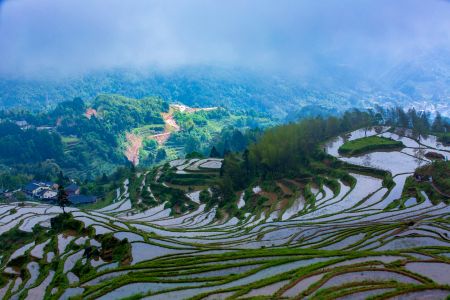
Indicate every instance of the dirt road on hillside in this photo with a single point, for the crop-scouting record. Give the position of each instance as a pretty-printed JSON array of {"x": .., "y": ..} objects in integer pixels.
[
  {"x": 135, "y": 141},
  {"x": 134, "y": 145}
]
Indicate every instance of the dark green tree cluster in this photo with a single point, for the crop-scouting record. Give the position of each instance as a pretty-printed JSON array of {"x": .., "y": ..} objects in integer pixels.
[
  {"x": 31, "y": 145},
  {"x": 233, "y": 139},
  {"x": 289, "y": 148},
  {"x": 420, "y": 122},
  {"x": 120, "y": 113},
  {"x": 83, "y": 146},
  {"x": 284, "y": 151}
]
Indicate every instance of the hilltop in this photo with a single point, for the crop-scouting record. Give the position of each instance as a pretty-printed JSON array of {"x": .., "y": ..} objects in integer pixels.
[
  {"x": 419, "y": 83},
  {"x": 85, "y": 139},
  {"x": 287, "y": 218}
]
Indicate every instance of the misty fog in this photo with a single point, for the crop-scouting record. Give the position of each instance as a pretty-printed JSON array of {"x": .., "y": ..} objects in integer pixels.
[{"x": 66, "y": 37}]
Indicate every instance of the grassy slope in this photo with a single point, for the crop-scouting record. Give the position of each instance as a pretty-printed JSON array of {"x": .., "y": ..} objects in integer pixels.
[
  {"x": 439, "y": 171},
  {"x": 366, "y": 144}
]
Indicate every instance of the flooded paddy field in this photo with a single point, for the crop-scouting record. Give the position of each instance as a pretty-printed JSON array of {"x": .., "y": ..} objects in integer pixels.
[{"x": 357, "y": 241}]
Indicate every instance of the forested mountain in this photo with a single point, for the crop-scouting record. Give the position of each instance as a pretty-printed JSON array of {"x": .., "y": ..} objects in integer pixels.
[
  {"x": 415, "y": 83},
  {"x": 87, "y": 138},
  {"x": 235, "y": 89}
]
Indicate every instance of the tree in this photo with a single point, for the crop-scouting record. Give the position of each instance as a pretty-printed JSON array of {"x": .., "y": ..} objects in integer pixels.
[
  {"x": 63, "y": 198},
  {"x": 214, "y": 152},
  {"x": 61, "y": 180},
  {"x": 21, "y": 197},
  {"x": 104, "y": 178},
  {"x": 246, "y": 156},
  {"x": 238, "y": 141},
  {"x": 402, "y": 119},
  {"x": 161, "y": 155},
  {"x": 78, "y": 104},
  {"x": 438, "y": 125},
  {"x": 189, "y": 125}
]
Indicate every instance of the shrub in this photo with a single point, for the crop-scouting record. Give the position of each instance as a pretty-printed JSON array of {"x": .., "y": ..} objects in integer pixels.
[
  {"x": 388, "y": 182},
  {"x": 114, "y": 249},
  {"x": 367, "y": 144},
  {"x": 64, "y": 222},
  {"x": 15, "y": 238}
]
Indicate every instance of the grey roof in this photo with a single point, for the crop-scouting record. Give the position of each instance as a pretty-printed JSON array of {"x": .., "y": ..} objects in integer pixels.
[
  {"x": 72, "y": 187},
  {"x": 30, "y": 187},
  {"x": 82, "y": 199}
]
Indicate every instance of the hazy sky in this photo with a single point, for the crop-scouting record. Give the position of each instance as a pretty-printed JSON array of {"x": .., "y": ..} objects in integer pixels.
[{"x": 71, "y": 36}]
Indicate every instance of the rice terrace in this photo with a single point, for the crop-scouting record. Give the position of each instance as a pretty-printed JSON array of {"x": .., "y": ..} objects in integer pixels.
[
  {"x": 225, "y": 150},
  {"x": 352, "y": 237}
]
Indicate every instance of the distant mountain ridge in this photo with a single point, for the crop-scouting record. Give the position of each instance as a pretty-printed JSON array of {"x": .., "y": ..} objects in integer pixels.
[
  {"x": 422, "y": 82},
  {"x": 233, "y": 89}
]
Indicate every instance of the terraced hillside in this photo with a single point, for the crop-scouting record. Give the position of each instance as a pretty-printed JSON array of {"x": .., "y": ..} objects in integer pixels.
[{"x": 349, "y": 239}]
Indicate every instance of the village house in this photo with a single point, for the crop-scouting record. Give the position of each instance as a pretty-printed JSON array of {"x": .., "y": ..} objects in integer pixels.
[
  {"x": 41, "y": 190},
  {"x": 23, "y": 124},
  {"x": 49, "y": 195},
  {"x": 72, "y": 189},
  {"x": 82, "y": 199},
  {"x": 46, "y": 128},
  {"x": 48, "y": 191}
]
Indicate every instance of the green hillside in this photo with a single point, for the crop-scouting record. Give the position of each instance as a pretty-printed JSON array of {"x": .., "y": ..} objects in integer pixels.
[{"x": 86, "y": 138}]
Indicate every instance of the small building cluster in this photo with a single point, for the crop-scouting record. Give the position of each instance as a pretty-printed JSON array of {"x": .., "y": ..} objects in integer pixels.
[
  {"x": 423, "y": 177},
  {"x": 48, "y": 191},
  {"x": 24, "y": 125},
  {"x": 5, "y": 193},
  {"x": 41, "y": 190}
]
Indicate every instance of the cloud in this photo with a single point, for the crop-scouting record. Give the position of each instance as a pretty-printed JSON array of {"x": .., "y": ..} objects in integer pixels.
[{"x": 70, "y": 36}]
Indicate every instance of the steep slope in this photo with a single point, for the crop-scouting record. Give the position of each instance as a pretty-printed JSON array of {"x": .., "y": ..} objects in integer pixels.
[{"x": 351, "y": 243}]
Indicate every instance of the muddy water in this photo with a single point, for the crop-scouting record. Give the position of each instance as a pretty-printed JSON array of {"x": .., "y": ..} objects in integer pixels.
[
  {"x": 273, "y": 271},
  {"x": 144, "y": 287},
  {"x": 438, "y": 272},
  {"x": 346, "y": 242},
  {"x": 132, "y": 237},
  {"x": 302, "y": 285},
  {"x": 427, "y": 294},
  {"x": 365, "y": 276},
  {"x": 413, "y": 242},
  {"x": 395, "y": 162},
  {"x": 364, "y": 294},
  {"x": 219, "y": 296},
  {"x": 142, "y": 251},
  {"x": 267, "y": 290},
  {"x": 222, "y": 272},
  {"x": 33, "y": 268},
  {"x": 71, "y": 260},
  {"x": 71, "y": 292}
]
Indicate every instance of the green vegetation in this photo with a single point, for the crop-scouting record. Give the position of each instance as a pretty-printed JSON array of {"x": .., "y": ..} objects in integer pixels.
[
  {"x": 28, "y": 146},
  {"x": 114, "y": 249},
  {"x": 287, "y": 151},
  {"x": 438, "y": 173},
  {"x": 176, "y": 199},
  {"x": 275, "y": 168},
  {"x": 236, "y": 89},
  {"x": 367, "y": 144},
  {"x": 86, "y": 139},
  {"x": 228, "y": 132},
  {"x": 444, "y": 137},
  {"x": 64, "y": 222},
  {"x": 413, "y": 189},
  {"x": 290, "y": 151},
  {"x": 14, "y": 237}
]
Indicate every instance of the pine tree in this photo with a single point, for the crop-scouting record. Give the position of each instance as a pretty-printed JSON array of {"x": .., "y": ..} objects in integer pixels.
[
  {"x": 438, "y": 125},
  {"x": 104, "y": 178},
  {"x": 60, "y": 180},
  {"x": 63, "y": 198},
  {"x": 246, "y": 157},
  {"x": 214, "y": 152}
]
